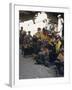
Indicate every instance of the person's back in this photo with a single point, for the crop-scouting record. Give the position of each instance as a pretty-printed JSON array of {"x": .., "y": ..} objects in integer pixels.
[{"x": 58, "y": 44}]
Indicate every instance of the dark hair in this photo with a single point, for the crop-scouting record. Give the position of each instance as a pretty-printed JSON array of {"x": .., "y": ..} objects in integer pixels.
[
  {"x": 21, "y": 27},
  {"x": 39, "y": 29},
  {"x": 29, "y": 31}
]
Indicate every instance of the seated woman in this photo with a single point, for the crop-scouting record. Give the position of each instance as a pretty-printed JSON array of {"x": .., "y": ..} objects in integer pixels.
[
  {"x": 34, "y": 45},
  {"x": 60, "y": 63},
  {"x": 52, "y": 49},
  {"x": 43, "y": 56}
]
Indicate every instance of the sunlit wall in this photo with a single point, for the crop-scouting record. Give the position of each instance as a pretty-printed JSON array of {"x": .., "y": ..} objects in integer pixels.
[{"x": 41, "y": 21}]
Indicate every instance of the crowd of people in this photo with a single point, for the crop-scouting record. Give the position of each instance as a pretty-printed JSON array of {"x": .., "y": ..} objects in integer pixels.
[{"x": 45, "y": 46}]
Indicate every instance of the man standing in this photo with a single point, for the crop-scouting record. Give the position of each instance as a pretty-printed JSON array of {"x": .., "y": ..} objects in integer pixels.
[
  {"x": 38, "y": 34},
  {"x": 21, "y": 36},
  {"x": 60, "y": 25}
]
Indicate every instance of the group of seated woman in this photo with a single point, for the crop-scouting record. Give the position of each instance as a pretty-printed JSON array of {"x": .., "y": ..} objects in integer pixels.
[{"x": 46, "y": 48}]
